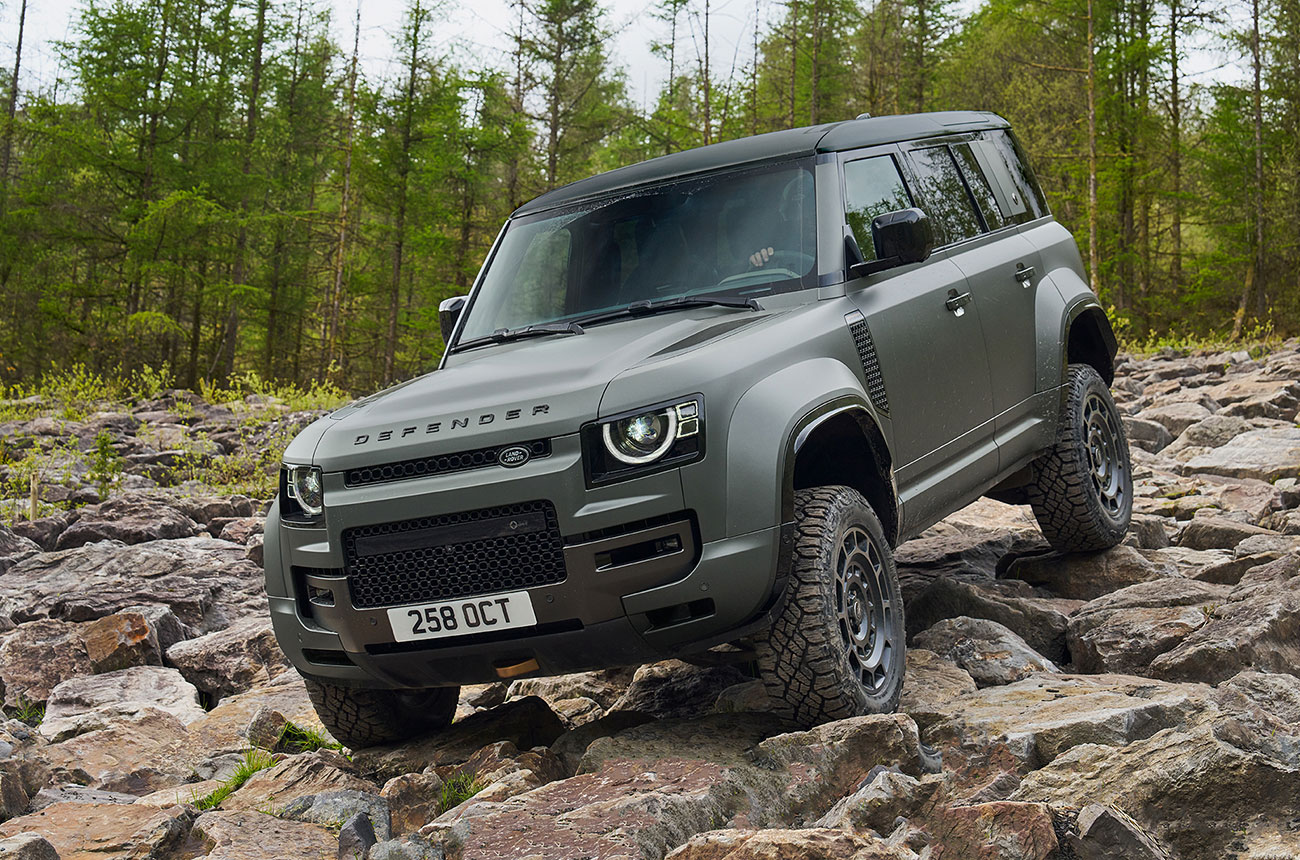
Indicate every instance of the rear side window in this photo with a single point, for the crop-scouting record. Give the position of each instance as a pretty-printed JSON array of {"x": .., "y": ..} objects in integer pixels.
[
  {"x": 1005, "y": 154},
  {"x": 872, "y": 186},
  {"x": 943, "y": 195},
  {"x": 993, "y": 206}
]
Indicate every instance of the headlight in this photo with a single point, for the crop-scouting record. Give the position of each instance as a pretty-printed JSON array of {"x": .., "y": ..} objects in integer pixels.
[
  {"x": 644, "y": 439},
  {"x": 306, "y": 487}
]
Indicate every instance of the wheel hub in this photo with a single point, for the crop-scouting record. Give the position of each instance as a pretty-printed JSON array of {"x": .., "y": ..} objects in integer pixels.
[
  {"x": 864, "y": 608},
  {"x": 1102, "y": 436}
]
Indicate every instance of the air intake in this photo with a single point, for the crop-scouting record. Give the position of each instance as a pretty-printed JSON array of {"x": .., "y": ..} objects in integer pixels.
[{"x": 871, "y": 374}]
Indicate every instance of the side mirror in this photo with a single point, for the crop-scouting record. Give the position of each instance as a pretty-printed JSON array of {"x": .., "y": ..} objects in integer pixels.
[
  {"x": 449, "y": 314},
  {"x": 901, "y": 237}
]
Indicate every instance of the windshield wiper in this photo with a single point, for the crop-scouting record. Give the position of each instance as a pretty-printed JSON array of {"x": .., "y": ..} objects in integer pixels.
[
  {"x": 645, "y": 308},
  {"x": 505, "y": 335}
]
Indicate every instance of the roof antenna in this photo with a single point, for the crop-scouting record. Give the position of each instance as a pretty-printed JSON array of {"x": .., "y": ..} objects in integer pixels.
[{"x": 863, "y": 116}]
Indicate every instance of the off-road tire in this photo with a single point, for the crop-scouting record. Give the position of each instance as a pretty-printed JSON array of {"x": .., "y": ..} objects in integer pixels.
[
  {"x": 1082, "y": 494},
  {"x": 811, "y": 664},
  {"x": 360, "y": 718}
]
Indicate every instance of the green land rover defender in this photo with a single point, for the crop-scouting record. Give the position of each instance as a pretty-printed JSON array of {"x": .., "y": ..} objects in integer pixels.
[{"x": 693, "y": 404}]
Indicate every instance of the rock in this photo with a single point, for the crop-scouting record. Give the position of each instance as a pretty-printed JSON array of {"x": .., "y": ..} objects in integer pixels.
[
  {"x": 580, "y": 710},
  {"x": 1040, "y": 622},
  {"x": 1215, "y": 532},
  {"x": 242, "y": 529},
  {"x": 248, "y": 835},
  {"x": 130, "y": 518},
  {"x": 14, "y": 548},
  {"x": 356, "y": 836},
  {"x": 255, "y": 551},
  {"x": 205, "y": 509},
  {"x": 406, "y": 848},
  {"x": 1174, "y": 417},
  {"x": 1085, "y": 576},
  {"x": 1266, "y": 545},
  {"x": 1214, "y": 431},
  {"x": 604, "y": 686},
  {"x": 335, "y": 806},
  {"x": 1263, "y": 454},
  {"x": 139, "y": 752},
  {"x": 673, "y": 689},
  {"x": 1148, "y": 435},
  {"x": 1038, "y": 719},
  {"x": 37, "y": 656},
  {"x": 413, "y": 800},
  {"x": 204, "y": 582},
  {"x": 747, "y": 697},
  {"x": 1202, "y": 796},
  {"x": 570, "y": 746},
  {"x": 231, "y": 660},
  {"x": 228, "y": 726},
  {"x": 28, "y": 846},
  {"x": 810, "y": 844},
  {"x": 121, "y": 640},
  {"x": 1149, "y": 531},
  {"x": 142, "y": 686},
  {"x": 883, "y": 797},
  {"x": 44, "y": 532},
  {"x": 1257, "y": 627},
  {"x": 1106, "y": 833},
  {"x": 1125, "y": 631},
  {"x": 989, "y": 652},
  {"x": 1018, "y": 830},
  {"x": 71, "y": 793},
  {"x": 526, "y": 723},
  {"x": 932, "y": 683},
  {"x": 81, "y": 831},
  {"x": 164, "y": 626},
  {"x": 266, "y": 728},
  {"x": 317, "y": 772}
]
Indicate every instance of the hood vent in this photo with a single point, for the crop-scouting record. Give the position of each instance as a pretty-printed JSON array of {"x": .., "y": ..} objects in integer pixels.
[
  {"x": 871, "y": 374},
  {"x": 705, "y": 335}
]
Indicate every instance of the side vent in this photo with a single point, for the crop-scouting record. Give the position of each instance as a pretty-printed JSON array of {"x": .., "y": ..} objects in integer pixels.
[{"x": 870, "y": 363}]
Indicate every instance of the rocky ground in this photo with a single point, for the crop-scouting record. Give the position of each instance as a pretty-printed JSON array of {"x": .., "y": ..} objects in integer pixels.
[{"x": 1137, "y": 703}]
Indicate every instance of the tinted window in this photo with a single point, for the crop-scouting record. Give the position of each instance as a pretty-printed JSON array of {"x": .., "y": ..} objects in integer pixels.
[
  {"x": 943, "y": 195},
  {"x": 979, "y": 186},
  {"x": 1026, "y": 186},
  {"x": 872, "y": 186}
]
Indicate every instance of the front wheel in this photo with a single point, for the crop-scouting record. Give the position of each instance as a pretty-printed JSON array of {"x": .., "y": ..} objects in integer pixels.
[
  {"x": 1082, "y": 495},
  {"x": 837, "y": 649},
  {"x": 360, "y": 718}
]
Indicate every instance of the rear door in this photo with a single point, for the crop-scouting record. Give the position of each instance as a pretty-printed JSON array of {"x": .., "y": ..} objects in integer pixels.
[{"x": 921, "y": 323}]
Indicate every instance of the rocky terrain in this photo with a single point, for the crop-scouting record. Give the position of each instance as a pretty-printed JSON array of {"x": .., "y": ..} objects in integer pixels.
[{"x": 1142, "y": 702}]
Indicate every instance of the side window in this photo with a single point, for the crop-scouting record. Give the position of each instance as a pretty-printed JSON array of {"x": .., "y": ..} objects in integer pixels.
[
  {"x": 1024, "y": 184},
  {"x": 991, "y": 207},
  {"x": 872, "y": 186},
  {"x": 943, "y": 195}
]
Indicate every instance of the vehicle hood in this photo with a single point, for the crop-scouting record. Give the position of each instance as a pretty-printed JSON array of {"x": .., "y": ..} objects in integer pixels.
[{"x": 508, "y": 393}]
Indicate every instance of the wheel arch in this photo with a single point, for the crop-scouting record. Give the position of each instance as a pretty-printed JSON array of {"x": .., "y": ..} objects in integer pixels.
[
  {"x": 1088, "y": 339},
  {"x": 840, "y": 442}
]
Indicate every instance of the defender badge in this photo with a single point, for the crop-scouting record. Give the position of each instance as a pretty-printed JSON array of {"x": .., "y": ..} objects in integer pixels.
[{"x": 515, "y": 455}]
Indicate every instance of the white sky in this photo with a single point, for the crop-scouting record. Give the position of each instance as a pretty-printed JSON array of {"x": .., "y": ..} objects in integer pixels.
[{"x": 476, "y": 29}]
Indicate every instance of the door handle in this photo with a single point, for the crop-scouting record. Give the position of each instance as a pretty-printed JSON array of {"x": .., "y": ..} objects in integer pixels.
[
  {"x": 957, "y": 303},
  {"x": 1025, "y": 274}
]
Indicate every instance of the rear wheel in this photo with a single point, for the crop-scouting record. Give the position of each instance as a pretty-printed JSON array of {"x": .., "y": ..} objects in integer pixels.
[
  {"x": 363, "y": 718},
  {"x": 1082, "y": 494},
  {"x": 837, "y": 649}
]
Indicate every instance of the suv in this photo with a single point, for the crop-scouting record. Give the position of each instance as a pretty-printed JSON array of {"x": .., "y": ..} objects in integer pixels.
[{"x": 692, "y": 404}]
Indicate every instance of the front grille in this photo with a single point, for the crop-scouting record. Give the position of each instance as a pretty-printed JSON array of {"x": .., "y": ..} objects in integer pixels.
[
  {"x": 459, "y": 461},
  {"x": 870, "y": 363},
  {"x": 502, "y": 548}
]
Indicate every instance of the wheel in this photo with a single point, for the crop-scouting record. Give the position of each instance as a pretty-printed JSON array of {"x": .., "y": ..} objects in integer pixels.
[
  {"x": 1082, "y": 494},
  {"x": 837, "y": 648},
  {"x": 363, "y": 718}
]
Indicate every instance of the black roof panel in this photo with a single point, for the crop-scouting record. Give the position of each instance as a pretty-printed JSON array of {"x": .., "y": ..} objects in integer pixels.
[{"x": 776, "y": 145}]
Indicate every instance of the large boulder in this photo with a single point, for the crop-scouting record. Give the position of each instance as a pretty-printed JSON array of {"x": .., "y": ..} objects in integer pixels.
[
  {"x": 249, "y": 835},
  {"x": 1085, "y": 576},
  {"x": 1263, "y": 454},
  {"x": 676, "y": 689},
  {"x": 1041, "y": 622},
  {"x": 314, "y": 773},
  {"x": 931, "y": 685},
  {"x": 119, "y": 692},
  {"x": 130, "y": 518},
  {"x": 232, "y": 660},
  {"x": 39, "y": 655},
  {"x": 81, "y": 831},
  {"x": 139, "y": 751},
  {"x": 806, "y": 844},
  {"x": 14, "y": 548},
  {"x": 989, "y": 652}
]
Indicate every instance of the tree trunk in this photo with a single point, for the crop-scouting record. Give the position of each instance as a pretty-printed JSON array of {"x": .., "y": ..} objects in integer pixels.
[
  {"x": 1175, "y": 153},
  {"x": 11, "y": 110},
  {"x": 330, "y": 345},
  {"x": 403, "y": 186},
  {"x": 1094, "y": 264}
]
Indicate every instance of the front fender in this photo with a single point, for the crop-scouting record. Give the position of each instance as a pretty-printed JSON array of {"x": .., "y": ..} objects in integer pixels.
[{"x": 765, "y": 418}]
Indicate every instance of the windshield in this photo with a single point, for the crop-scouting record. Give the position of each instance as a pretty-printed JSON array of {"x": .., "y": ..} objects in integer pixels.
[{"x": 738, "y": 234}]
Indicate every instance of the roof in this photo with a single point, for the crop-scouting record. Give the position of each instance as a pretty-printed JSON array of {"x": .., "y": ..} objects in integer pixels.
[{"x": 773, "y": 146}]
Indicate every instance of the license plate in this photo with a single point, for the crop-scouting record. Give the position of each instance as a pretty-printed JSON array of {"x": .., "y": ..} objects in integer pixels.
[{"x": 462, "y": 617}]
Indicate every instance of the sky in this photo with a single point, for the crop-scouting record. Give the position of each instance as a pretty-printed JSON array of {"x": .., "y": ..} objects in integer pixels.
[{"x": 475, "y": 30}]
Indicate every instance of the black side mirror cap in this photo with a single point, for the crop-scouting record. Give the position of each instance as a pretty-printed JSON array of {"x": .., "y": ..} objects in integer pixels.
[
  {"x": 449, "y": 314},
  {"x": 901, "y": 237}
]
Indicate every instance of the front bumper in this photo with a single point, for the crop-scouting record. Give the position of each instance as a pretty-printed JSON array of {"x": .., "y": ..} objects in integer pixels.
[{"x": 640, "y": 585}]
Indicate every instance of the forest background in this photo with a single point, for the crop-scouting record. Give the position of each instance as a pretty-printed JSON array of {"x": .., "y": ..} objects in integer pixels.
[{"x": 217, "y": 189}]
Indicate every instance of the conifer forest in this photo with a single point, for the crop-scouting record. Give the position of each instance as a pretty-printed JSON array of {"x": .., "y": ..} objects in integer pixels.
[{"x": 219, "y": 188}]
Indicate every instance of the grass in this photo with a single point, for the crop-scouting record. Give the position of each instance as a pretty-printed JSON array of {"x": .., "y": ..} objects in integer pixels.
[
  {"x": 459, "y": 789},
  {"x": 1257, "y": 340},
  {"x": 27, "y": 711},
  {"x": 299, "y": 739},
  {"x": 254, "y": 760}
]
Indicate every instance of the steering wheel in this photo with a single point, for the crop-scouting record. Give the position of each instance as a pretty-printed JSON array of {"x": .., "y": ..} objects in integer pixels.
[
  {"x": 790, "y": 261},
  {"x": 759, "y": 276}
]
